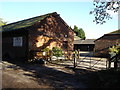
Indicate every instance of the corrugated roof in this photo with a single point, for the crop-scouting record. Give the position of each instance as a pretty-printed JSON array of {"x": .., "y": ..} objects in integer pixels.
[
  {"x": 25, "y": 23},
  {"x": 86, "y": 41}
]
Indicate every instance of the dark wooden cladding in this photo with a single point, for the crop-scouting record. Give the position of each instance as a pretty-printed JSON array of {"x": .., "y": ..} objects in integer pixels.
[
  {"x": 49, "y": 30},
  {"x": 105, "y": 42},
  {"x": 53, "y": 28}
]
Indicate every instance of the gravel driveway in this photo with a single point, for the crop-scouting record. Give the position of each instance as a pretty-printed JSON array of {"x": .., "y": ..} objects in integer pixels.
[{"x": 26, "y": 75}]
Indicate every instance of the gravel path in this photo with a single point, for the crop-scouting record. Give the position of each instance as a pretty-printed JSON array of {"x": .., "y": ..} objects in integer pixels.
[{"x": 26, "y": 75}]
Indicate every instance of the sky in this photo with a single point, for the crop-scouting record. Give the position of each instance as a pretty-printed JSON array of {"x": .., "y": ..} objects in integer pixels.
[{"x": 72, "y": 12}]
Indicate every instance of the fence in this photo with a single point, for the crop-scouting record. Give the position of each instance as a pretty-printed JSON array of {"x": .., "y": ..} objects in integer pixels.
[{"x": 74, "y": 60}]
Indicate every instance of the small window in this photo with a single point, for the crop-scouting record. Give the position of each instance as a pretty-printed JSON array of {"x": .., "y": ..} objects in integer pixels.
[{"x": 17, "y": 41}]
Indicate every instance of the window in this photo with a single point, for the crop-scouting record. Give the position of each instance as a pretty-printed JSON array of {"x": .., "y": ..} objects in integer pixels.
[{"x": 17, "y": 41}]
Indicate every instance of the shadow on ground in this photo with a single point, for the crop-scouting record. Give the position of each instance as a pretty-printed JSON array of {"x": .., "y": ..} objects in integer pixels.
[{"x": 80, "y": 78}]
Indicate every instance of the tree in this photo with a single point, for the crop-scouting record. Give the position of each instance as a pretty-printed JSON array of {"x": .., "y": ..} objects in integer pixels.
[
  {"x": 2, "y": 22},
  {"x": 114, "y": 52},
  {"x": 75, "y": 28},
  {"x": 79, "y": 32},
  {"x": 102, "y": 8}
]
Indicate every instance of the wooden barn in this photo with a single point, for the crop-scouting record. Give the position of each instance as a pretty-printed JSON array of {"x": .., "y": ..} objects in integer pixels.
[
  {"x": 84, "y": 45},
  {"x": 103, "y": 43},
  {"x": 22, "y": 38}
]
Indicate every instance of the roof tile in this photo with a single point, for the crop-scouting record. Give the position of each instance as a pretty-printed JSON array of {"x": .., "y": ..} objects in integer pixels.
[{"x": 25, "y": 23}]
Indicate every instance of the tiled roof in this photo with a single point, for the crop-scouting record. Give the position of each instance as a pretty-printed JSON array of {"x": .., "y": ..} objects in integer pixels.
[
  {"x": 111, "y": 36},
  {"x": 25, "y": 23},
  {"x": 87, "y": 41},
  {"x": 115, "y": 32}
]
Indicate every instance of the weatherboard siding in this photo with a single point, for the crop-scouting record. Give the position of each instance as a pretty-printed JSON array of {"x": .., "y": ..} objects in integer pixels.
[
  {"x": 49, "y": 32},
  {"x": 14, "y": 51},
  {"x": 108, "y": 40}
]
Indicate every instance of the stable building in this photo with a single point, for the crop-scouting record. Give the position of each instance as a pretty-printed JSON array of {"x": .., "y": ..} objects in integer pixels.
[
  {"x": 103, "y": 43},
  {"x": 84, "y": 45},
  {"x": 23, "y": 38}
]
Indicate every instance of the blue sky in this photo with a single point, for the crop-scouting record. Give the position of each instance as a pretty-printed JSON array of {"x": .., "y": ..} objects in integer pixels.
[{"x": 74, "y": 13}]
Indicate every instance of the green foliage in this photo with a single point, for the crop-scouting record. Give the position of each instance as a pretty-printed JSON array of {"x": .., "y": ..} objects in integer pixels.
[
  {"x": 57, "y": 52},
  {"x": 47, "y": 51},
  {"x": 75, "y": 28},
  {"x": 79, "y": 32},
  {"x": 75, "y": 52},
  {"x": 115, "y": 49},
  {"x": 2, "y": 22}
]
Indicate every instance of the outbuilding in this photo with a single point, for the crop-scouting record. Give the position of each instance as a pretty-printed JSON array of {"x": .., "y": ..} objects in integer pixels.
[
  {"x": 84, "y": 45},
  {"x": 20, "y": 39},
  {"x": 103, "y": 43}
]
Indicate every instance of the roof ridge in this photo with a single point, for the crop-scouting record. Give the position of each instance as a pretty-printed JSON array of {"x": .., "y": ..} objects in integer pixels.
[
  {"x": 115, "y": 32},
  {"x": 28, "y": 19},
  {"x": 26, "y": 22}
]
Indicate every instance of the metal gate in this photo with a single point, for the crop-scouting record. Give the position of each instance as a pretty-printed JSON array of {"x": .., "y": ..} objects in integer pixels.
[{"x": 83, "y": 62}]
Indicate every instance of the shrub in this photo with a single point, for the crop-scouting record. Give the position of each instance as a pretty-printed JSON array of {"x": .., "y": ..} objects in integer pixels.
[
  {"x": 57, "y": 51},
  {"x": 47, "y": 51}
]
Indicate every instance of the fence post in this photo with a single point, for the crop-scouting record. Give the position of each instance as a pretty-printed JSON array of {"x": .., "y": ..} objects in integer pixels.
[
  {"x": 78, "y": 53},
  {"x": 74, "y": 56},
  {"x": 106, "y": 63},
  {"x": 51, "y": 54},
  {"x": 90, "y": 62}
]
